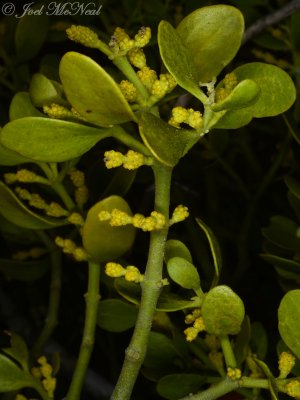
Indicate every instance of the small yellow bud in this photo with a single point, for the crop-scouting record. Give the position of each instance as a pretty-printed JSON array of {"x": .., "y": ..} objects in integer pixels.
[
  {"x": 189, "y": 319},
  {"x": 56, "y": 210},
  {"x": 170, "y": 80},
  {"x": 77, "y": 177},
  {"x": 230, "y": 80},
  {"x": 286, "y": 363},
  {"x": 80, "y": 254},
  {"x": 191, "y": 333},
  {"x": 159, "y": 88},
  {"x": 147, "y": 76},
  {"x": 137, "y": 58},
  {"x": 234, "y": 373},
  {"x": 104, "y": 215},
  {"x": 143, "y": 37},
  {"x": 46, "y": 370},
  {"x": 199, "y": 324},
  {"x": 179, "y": 114},
  {"x": 133, "y": 160},
  {"x": 121, "y": 41},
  {"x": 160, "y": 220},
  {"x": 42, "y": 360},
  {"x": 57, "y": 111},
  {"x": 20, "y": 397},
  {"x": 179, "y": 214},
  {"x": 128, "y": 90},
  {"x": 76, "y": 219},
  {"x": 119, "y": 218},
  {"x": 195, "y": 119},
  {"x": 114, "y": 270},
  {"x": 81, "y": 195},
  {"x": 49, "y": 385},
  {"x": 83, "y": 35},
  {"x": 293, "y": 388},
  {"x": 132, "y": 274},
  {"x": 10, "y": 178},
  {"x": 113, "y": 159}
]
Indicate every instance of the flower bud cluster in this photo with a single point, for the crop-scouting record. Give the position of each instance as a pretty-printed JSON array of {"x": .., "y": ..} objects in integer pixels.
[
  {"x": 188, "y": 116},
  {"x": 131, "y": 160},
  {"x": 69, "y": 247},
  {"x": 130, "y": 273}
]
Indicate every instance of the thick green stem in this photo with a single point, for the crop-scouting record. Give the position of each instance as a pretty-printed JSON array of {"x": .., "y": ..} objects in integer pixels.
[
  {"x": 92, "y": 298},
  {"x": 151, "y": 288},
  {"x": 51, "y": 319},
  {"x": 228, "y": 352},
  {"x": 215, "y": 391}
]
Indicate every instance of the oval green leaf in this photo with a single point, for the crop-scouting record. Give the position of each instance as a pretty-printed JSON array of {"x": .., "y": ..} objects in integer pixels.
[
  {"x": 183, "y": 273},
  {"x": 30, "y": 35},
  {"x": 25, "y": 271},
  {"x": 212, "y": 36},
  {"x": 175, "y": 248},
  {"x": 222, "y": 311},
  {"x": 92, "y": 91},
  {"x": 102, "y": 241},
  {"x": 21, "y": 106},
  {"x": 176, "y": 386},
  {"x": 10, "y": 157},
  {"x": 12, "y": 377},
  {"x": 44, "y": 92},
  {"x": 166, "y": 143},
  {"x": 289, "y": 320},
  {"x": 277, "y": 90},
  {"x": 161, "y": 351},
  {"x": 50, "y": 140},
  {"x": 116, "y": 316},
  {"x": 178, "y": 60},
  {"x": 15, "y": 211},
  {"x": 18, "y": 350}
]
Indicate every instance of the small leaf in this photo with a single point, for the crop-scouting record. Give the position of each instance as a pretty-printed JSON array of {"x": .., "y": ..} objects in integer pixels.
[
  {"x": 289, "y": 320},
  {"x": 161, "y": 351},
  {"x": 116, "y": 316},
  {"x": 166, "y": 143},
  {"x": 92, "y": 91},
  {"x": 175, "y": 248},
  {"x": 176, "y": 386},
  {"x": 183, "y": 273},
  {"x": 21, "y": 106},
  {"x": 102, "y": 241},
  {"x": 49, "y": 140},
  {"x": 9, "y": 157},
  {"x": 215, "y": 250},
  {"x": 222, "y": 311},
  {"x": 243, "y": 95},
  {"x": 30, "y": 35},
  {"x": 177, "y": 59},
  {"x": 212, "y": 36},
  {"x": 25, "y": 271},
  {"x": 15, "y": 211},
  {"x": 12, "y": 377},
  {"x": 18, "y": 350},
  {"x": 44, "y": 92},
  {"x": 283, "y": 232}
]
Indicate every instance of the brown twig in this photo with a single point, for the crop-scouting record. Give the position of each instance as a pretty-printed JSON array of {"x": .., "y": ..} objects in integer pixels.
[{"x": 271, "y": 19}]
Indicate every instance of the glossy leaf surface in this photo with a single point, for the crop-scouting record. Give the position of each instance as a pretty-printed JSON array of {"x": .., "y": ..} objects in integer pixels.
[
  {"x": 21, "y": 106},
  {"x": 183, "y": 273},
  {"x": 175, "y": 248}
]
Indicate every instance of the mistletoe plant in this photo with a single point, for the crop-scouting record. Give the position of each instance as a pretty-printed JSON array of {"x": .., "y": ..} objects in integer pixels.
[{"x": 55, "y": 123}]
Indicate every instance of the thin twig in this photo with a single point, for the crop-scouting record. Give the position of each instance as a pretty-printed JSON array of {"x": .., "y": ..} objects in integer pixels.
[{"x": 271, "y": 19}]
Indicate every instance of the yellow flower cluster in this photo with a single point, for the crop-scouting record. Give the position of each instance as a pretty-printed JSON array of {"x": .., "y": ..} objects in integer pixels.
[
  {"x": 69, "y": 247},
  {"x": 286, "y": 363},
  {"x": 81, "y": 192},
  {"x": 34, "y": 252},
  {"x": 131, "y": 160},
  {"x": 84, "y": 35},
  {"x": 35, "y": 200},
  {"x": 128, "y": 90},
  {"x": 121, "y": 43},
  {"x": 155, "y": 221},
  {"x": 234, "y": 373},
  {"x": 147, "y": 76},
  {"x": 188, "y": 116},
  {"x": 157, "y": 88},
  {"x": 293, "y": 388},
  {"x": 179, "y": 214},
  {"x": 196, "y": 319},
  {"x": 45, "y": 374},
  {"x": 57, "y": 111},
  {"x": 130, "y": 273},
  {"x": 229, "y": 82},
  {"x": 24, "y": 176},
  {"x": 137, "y": 58},
  {"x": 76, "y": 219}
]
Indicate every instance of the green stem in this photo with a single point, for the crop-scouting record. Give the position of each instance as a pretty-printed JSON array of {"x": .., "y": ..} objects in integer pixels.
[
  {"x": 54, "y": 298},
  {"x": 40, "y": 390},
  {"x": 64, "y": 195},
  {"x": 228, "y": 352},
  {"x": 151, "y": 288},
  {"x": 215, "y": 391},
  {"x": 92, "y": 298},
  {"x": 123, "y": 64},
  {"x": 120, "y": 134}
]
